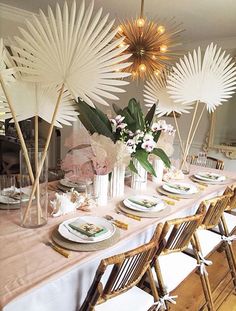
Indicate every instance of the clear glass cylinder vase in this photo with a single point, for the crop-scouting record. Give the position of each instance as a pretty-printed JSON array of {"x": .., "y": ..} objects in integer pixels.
[
  {"x": 117, "y": 184},
  {"x": 139, "y": 180},
  {"x": 35, "y": 214},
  {"x": 101, "y": 186}
]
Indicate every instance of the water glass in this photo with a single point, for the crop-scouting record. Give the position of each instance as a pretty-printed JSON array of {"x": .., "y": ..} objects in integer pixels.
[{"x": 202, "y": 158}]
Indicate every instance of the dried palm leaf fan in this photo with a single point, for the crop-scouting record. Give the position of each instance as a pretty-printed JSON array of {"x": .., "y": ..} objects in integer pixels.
[
  {"x": 72, "y": 51},
  {"x": 152, "y": 45},
  {"x": 210, "y": 80},
  {"x": 156, "y": 92}
]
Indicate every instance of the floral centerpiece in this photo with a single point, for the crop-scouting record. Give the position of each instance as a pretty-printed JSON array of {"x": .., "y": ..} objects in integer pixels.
[{"x": 129, "y": 128}]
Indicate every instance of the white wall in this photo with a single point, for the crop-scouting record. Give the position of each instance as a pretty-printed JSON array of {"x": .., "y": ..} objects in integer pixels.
[{"x": 11, "y": 18}]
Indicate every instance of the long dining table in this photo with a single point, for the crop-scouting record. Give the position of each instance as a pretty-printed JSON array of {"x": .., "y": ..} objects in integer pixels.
[{"x": 34, "y": 277}]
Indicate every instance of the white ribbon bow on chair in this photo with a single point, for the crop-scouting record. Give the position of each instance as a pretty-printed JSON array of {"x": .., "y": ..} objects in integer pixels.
[
  {"x": 203, "y": 263},
  {"x": 228, "y": 239},
  {"x": 161, "y": 303}
]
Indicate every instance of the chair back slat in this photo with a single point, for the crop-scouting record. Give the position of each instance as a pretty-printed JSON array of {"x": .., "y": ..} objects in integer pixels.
[
  {"x": 215, "y": 208},
  {"x": 125, "y": 271},
  {"x": 177, "y": 233},
  {"x": 232, "y": 202},
  {"x": 210, "y": 162},
  {"x": 125, "y": 274}
]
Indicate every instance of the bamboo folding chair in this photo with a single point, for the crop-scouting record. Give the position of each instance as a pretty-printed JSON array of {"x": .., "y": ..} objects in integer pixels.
[
  {"x": 205, "y": 242},
  {"x": 210, "y": 162},
  {"x": 230, "y": 212},
  {"x": 170, "y": 265},
  {"x": 122, "y": 273}
]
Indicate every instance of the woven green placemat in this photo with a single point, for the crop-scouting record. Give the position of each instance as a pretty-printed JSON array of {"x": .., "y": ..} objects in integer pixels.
[
  {"x": 159, "y": 214},
  {"x": 83, "y": 247}
]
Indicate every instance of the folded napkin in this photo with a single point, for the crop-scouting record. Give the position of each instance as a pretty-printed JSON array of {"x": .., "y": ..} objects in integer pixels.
[
  {"x": 212, "y": 176},
  {"x": 144, "y": 202},
  {"x": 179, "y": 187},
  {"x": 105, "y": 234},
  {"x": 173, "y": 173},
  {"x": 88, "y": 229},
  {"x": 139, "y": 205}
]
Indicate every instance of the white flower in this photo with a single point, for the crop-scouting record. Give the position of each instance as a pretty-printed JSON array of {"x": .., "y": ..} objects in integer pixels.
[
  {"x": 148, "y": 145},
  {"x": 139, "y": 133},
  {"x": 137, "y": 136},
  {"x": 131, "y": 145},
  {"x": 130, "y": 133},
  {"x": 117, "y": 123},
  {"x": 147, "y": 137}
]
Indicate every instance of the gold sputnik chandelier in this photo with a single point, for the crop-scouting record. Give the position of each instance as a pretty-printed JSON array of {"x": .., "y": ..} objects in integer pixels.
[{"x": 152, "y": 45}]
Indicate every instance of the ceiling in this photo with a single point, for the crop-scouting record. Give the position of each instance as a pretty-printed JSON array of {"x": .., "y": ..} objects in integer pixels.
[{"x": 202, "y": 19}]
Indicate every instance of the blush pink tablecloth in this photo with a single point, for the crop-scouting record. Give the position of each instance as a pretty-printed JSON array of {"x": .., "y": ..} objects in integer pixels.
[{"x": 26, "y": 263}]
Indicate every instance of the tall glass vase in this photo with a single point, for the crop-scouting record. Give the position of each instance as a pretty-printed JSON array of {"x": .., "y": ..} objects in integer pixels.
[
  {"x": 117, "y": 184},
  {"x": 101, "y": 185},
  {"x": 35, "y": 215},
  {"x": 139, "y": 181}
]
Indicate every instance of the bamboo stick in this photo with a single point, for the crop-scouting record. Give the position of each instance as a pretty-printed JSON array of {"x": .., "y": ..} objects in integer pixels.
[
  {"x": 18, "y": 129},
  {"x": 194, "y": 132},
  {"x": 178, "y": 132},
  {"x": 44, "y": 153},
  {"x": 189, "y": 134},
  {"x": 36, "y": 150}
]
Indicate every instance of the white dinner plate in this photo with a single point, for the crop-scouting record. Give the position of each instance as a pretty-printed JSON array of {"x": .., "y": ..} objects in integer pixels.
[
  {"x": 138, "y": 202},
  {"x": 75, "y": 236},
  {"x": 209, "y": 176},
  {"x": 6, "y": 200},
  {"x": 80, "y": 185},
  {"x": 180, "y": 188}
]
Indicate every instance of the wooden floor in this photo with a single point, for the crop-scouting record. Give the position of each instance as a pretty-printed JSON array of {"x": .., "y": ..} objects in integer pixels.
[
  {"x": 190, "y": 295},
  {"x": 229, "y": 304}
]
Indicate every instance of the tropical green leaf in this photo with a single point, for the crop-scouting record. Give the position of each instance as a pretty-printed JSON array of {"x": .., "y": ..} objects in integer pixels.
[
  {"x": 117, "y": 109},
  {"x": 133, "y": 105},
  {"x": 104, "y": 118},
  {"x": 142, "y": 156},
  {"x": 135, "y": 111},
  {"x": 129, "y": 119},
  {"x": 132, "y": 167},
  {"x": 162, "y": 155},
  {"x": 91, "y": 120},
  {"x": 156, "y": 136},
  {"x": 150, "y": 115}
]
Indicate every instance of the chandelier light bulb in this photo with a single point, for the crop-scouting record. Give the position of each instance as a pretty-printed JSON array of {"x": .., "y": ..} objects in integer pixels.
[
  {"x": 163, "y": 48},
  {"x": 140, "y": 22},
  {"x": 157, "y": 72},
  {"x": 161, "y": 29},
  {"x": 121, "y": 44},
  {"x": 120, "y": 30},
  {"x": 142, "y": 67}
]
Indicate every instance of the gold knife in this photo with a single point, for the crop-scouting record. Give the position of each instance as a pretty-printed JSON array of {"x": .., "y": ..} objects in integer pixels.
[
  {"x": 172, "y": 197},
  {"x": 129, "y": 215},
  {"x": 168, "y": 202},
  {"x": 120, "y": 224},
  {"x": 58, "y": 249}
]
